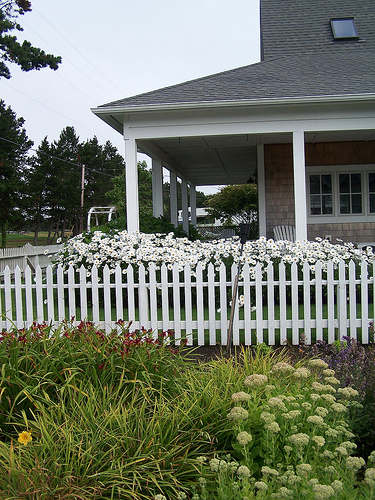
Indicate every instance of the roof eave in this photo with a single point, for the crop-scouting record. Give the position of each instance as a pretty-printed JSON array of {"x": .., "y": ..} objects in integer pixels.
[{"x": 105, "y": 110}]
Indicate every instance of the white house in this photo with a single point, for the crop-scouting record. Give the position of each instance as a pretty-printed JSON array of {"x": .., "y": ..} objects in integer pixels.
[{"x": 303, "y": 117}]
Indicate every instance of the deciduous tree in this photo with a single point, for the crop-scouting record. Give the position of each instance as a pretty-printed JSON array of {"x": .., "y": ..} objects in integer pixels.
[{"x": 235, "y": 205}]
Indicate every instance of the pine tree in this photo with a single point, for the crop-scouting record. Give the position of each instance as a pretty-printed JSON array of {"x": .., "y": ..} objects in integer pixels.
[
  {"x": 12, "y": 51},
  {"x": 14, "y": 146}
]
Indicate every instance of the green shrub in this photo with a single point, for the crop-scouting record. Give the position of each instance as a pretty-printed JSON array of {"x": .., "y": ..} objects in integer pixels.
[{"x": 291, "y": 438}]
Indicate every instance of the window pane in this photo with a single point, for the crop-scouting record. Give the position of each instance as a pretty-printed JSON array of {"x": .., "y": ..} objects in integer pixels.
[
  {"x": 356, "y": 183},
  {"x": 326, "y": 184},
  {"x": 344, "y": 183},
  {"x": 327, "y": 204},
  {"x": 345, "y": 204},
  {"x": 371, "y": 182},
  {"x": 356, "y": 203},
  {"x": 344, "y": 28},
  {"x": 372, "y": 203},
  {"x": 315, "y": 184},
  {"x": 315, "y": 208}
]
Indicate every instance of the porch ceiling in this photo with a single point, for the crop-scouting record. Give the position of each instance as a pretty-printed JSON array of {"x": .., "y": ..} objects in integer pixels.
[{"x": 228, "y": 159}]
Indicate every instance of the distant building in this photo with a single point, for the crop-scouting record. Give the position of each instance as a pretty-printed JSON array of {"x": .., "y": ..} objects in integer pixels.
[{"x": 203, "y": 218}]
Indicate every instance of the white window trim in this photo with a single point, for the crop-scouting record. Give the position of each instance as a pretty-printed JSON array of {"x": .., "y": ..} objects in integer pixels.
[{"x": 336, "y": 217}]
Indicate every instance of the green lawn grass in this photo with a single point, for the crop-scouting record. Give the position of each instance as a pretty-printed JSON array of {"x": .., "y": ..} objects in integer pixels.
[{"x": 20, "y": 239}]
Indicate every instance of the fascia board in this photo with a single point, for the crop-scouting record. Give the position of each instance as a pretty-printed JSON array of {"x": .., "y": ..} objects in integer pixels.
[{"x": 347, "y": 98}]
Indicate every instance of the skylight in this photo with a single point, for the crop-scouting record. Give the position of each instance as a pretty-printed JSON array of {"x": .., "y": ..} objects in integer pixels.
[{"x": 343, "y": 28}]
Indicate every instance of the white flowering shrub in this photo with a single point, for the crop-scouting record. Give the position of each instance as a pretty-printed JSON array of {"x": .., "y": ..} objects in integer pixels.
[
  {"x": 124, "y": 249},
  {"x": 291, "y": 438}
]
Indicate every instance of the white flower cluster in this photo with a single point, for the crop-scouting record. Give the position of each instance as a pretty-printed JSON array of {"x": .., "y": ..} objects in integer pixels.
[{"x": 123, "y": 248}]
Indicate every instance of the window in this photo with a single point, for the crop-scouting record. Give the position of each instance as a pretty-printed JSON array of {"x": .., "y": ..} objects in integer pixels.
[
  {"x": 350, "y": 186},
  {"x": 344, "y": 28},
  {"x": 321, "y": 194},
  {"x": 341, "y": 193},
  {"x": 371, "y": 184}
]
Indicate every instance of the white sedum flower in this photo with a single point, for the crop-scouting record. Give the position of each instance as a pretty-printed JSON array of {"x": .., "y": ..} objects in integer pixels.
[
  {"x": 240, "y": 396},
  {"x": 255, "y": 380},
  {"x": 299, "y": 440},
  {"x": 354, "y": 463},
  {"x": 244, "y": 438},
  {"x": 237, "y": 413}
]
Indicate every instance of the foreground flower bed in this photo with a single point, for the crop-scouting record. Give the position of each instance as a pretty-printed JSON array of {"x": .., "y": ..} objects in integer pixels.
[
  {"x": 129, "y": 415},
  {"x": 294, "y": 443},
  {"x": 123, "y": 248}
]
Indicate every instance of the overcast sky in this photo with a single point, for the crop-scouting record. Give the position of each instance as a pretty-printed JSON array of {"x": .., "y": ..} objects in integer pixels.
[{"x": 119, "y": 48}]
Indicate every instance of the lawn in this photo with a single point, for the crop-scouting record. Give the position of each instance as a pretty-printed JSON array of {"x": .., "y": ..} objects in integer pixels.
[
  {"x": 20, "y": 239},
  {"x": 84, "y": 414}
]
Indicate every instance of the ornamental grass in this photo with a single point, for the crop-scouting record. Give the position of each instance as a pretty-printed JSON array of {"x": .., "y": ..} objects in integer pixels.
[{"x": 131, "y": 415}]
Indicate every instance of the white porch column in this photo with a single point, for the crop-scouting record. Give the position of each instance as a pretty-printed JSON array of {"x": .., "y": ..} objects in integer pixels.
[
  {"x": 193, "y": 205},
  {"x": 185, "y": 206},
  {"x": 157, "y": 187},
  {"x": 299, "y": 171},
  {"x": 173, "y": 197},
  {"x": 261, "y": 191},
  {"x": 131, "y": 177}
]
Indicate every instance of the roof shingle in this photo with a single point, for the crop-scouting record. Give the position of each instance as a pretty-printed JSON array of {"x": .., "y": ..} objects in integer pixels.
[{"x": 300, "y": 59}]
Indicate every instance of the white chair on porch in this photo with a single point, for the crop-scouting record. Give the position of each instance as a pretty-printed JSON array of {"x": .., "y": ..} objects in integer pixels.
[{"x": 284, "y": 233}]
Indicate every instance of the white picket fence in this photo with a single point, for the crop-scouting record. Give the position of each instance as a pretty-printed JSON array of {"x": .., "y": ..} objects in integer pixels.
[
  {"x": 198, "y": 304},
  {"x": 33, "y": 256}
]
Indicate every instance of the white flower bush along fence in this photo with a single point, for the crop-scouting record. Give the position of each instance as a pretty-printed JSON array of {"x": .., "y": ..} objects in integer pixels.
[{"x": 160, "y": 282}]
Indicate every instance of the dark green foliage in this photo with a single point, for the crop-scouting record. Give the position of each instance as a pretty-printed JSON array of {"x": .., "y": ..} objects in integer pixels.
[
  {"x": 354, "y": 366},
  {"x": 14, "y": 146},
  {"x": 11, "y": 50},
  {"x": 54, "y": 182},
  {"x": 148, "y": 223},
  {"x": 235, "y": 205}
]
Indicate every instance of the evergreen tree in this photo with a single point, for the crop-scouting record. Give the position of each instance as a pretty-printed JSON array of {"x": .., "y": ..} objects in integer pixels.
[
  {"x": 14, "y": 147},
  {"x": 12, "y": 51},
  {"x": 102, "y": 163},
  {"x": 65, "y": 185},
  {"x": 39, "y": 188},
  {"x": 54, "y": 182}
]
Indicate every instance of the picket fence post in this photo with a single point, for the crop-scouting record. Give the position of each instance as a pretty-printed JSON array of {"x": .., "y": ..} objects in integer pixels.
[{"x": 156, "y": 298}]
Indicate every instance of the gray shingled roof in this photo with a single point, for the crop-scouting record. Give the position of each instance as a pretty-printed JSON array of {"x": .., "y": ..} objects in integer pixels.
[
  {"x": 291, "y": 27},
  {"x": 294, "y": 76},
  {"x": 301, "y": 59}
]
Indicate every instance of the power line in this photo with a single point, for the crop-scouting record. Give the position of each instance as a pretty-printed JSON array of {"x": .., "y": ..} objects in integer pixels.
[
  {"x": 66, "y": 59},
  {"x": 85, "y": 58},
  {"x": 60, "y": 159},
  {"x": 51, "y": 109}
]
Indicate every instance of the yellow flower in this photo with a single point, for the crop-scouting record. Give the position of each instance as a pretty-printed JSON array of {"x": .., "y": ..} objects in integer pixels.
[{"x": 24, "y": 437}]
